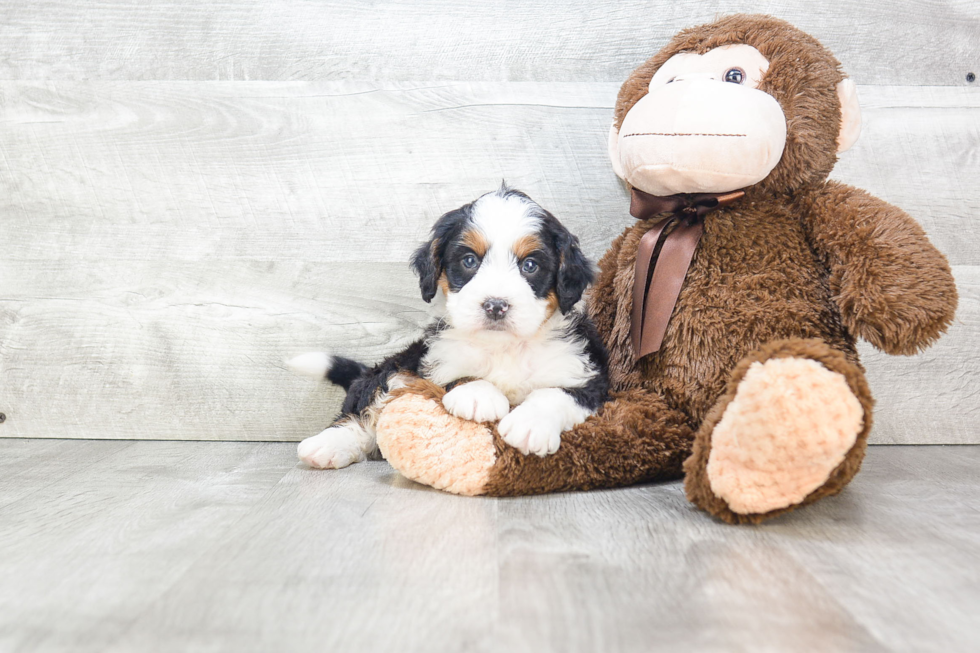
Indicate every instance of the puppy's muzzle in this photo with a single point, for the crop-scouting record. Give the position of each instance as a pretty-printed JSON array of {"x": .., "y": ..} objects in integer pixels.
[{"x": 496, "y": 309}]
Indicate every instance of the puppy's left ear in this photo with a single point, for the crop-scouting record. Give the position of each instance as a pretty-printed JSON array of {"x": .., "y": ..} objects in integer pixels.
[
  {"x": 427, "y": 264},
  {"x": 575, "y": 272}
]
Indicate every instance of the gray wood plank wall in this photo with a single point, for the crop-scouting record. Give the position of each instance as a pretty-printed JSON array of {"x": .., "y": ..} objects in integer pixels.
[{"x": 192, "y": 191}]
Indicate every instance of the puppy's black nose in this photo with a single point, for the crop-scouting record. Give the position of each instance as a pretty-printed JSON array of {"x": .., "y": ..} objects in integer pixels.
[{"x": 495, "y": 308}]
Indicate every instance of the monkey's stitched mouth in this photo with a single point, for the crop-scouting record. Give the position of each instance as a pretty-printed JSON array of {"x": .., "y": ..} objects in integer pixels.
[{"x": 681, "y": 134}]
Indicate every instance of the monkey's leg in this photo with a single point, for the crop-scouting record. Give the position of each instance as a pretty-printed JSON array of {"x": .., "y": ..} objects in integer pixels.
[
  {"x": 791, "y": 428},
  {"x": 634, "y": 437}
]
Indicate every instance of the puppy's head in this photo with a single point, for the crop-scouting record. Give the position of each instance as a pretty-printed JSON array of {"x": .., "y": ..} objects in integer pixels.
[{"x": 504, "y": 264}]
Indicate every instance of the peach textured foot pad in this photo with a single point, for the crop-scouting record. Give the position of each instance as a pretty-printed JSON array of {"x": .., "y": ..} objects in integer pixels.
[
  {"x": 428, "y": 445},
  {"x": 790, "y": 425}
]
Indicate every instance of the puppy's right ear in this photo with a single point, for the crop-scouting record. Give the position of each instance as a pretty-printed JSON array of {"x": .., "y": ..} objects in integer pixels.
[
  {"x": 428, "y": 265},
  {"x": 427, "y": 259}
]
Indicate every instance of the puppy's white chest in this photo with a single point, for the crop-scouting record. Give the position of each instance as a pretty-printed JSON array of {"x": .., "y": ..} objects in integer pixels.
[
  {"x": 516, "y": 367},
  {"x": 517, "y": 371}
]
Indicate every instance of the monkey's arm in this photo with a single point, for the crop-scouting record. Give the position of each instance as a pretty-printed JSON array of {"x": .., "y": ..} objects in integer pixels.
[{"x": 894, "y": 289}]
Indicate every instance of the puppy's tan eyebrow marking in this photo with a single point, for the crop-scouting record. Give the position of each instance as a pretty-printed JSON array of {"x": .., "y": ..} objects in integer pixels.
[
  {"x": 525, "y": 246},
  {"x": 476, "y": 241}
]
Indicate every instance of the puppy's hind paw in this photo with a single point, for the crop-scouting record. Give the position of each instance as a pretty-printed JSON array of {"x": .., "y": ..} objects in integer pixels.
[{"x": 336, "y": 447}]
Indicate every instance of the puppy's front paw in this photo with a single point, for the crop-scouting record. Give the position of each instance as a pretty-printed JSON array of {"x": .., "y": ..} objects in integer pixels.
[
  {"x": 336, "y": 447},
  {"x": 531, "y": 428},
  {"x": 477, "y": 401}
]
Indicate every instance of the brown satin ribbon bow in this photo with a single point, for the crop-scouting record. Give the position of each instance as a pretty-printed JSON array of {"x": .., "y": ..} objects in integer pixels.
[{"x": 663, "y": 257}]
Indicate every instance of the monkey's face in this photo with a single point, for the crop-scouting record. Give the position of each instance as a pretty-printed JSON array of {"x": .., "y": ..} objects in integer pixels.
[
  {"x": 706, "y": 125},
  {"x": 703, "y": 127}
]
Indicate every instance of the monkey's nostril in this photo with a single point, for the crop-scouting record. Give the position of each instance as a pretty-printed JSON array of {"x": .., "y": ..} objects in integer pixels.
[{"x": 495, "y": 308}]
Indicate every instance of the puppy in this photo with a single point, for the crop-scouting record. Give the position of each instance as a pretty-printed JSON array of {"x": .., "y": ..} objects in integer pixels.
[{"x": 511, "y": 343}]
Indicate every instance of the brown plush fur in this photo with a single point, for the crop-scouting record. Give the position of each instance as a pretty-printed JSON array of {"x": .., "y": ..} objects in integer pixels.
[
  {"x": 798, "y": 267},
  {"x": 611, "y": 449}
]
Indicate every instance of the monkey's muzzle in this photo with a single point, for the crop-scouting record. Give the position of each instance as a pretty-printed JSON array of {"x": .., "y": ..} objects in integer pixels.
[{"x": 676, "y": 140}]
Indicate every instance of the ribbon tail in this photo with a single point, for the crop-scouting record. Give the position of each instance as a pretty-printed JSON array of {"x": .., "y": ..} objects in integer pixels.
[
  {"x": 646, "y": 251},
  {"x": 668, "y": 277}
]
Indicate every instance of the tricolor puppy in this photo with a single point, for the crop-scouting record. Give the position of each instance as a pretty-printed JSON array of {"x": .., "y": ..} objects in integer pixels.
[{"x": 511, "y": 343}]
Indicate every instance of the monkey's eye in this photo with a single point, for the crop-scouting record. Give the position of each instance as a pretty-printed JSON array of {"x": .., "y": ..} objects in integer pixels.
[
  {"x": 469, "y": 261},
  {"x": 735, "y": 75},
  {"x": 529, "y": 266}
]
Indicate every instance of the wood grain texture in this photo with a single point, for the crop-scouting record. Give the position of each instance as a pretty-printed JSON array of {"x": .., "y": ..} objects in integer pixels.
[
  {"x": 366, "y": 561},
  {"x": 920, "y": 150},
  {"x": 933, "y": 397},
  {"x": 231, "y": 546},
  {"x": 196, "y": 353},
  {"x": 166, "y": 244},
  {"x": 27, "y": 466},
  {"x": 191, "y": 350},
  {"x": 115, "y": 535},
  {"x": 277, "y": 171},
  {"x": 359, "y": 172},
  {"x": 515, "y": 40}
]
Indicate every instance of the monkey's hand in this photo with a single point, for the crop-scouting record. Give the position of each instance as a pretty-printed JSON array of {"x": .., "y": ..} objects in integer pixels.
[{"x": 893, "y": 288}]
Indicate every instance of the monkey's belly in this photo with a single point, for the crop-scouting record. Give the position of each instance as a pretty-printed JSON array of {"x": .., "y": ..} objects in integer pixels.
[{"x": 722, "y": 317}]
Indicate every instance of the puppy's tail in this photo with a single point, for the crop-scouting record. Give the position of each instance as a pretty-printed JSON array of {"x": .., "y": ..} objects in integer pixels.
[{"x": 321, "y": 365}]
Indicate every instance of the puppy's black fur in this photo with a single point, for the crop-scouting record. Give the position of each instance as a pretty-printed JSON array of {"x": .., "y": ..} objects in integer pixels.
[{"x": 562, "y": 269}]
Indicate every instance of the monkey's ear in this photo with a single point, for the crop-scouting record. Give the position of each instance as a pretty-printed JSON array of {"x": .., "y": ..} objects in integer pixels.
[
  {"x": 427, "y": 264},
  {"x": 850, "y": 115},
  {"x": 617, "y": 164}
]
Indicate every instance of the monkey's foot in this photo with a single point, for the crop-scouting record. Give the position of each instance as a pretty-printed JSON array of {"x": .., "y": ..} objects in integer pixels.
[
  {"x": 791, "y": 428},
  {"x": 791, "y": 423},
  {"x": 428, "y": 445}
]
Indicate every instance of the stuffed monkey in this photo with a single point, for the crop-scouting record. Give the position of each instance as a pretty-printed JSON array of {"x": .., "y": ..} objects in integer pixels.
[{"x": 731, "y": 304}]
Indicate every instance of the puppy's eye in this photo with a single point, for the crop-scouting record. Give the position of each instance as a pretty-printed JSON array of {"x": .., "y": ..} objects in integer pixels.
[
  {"x": 469, "y": 261},
  {"x": 735, "y": 75},
  {"x": 529, "y": 266}
]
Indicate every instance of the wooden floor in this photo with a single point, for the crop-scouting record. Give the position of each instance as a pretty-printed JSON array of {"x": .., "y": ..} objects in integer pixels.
[{"x": 192, "y": 546}]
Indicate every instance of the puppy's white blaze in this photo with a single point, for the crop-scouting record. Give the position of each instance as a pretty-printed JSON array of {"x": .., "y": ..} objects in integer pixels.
[
  {"x": 502, "y": 221},
  {"x": 526, "y": 312},
  {"x": 313, "y": 363},
  {"x": 516, "y": 366}
]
